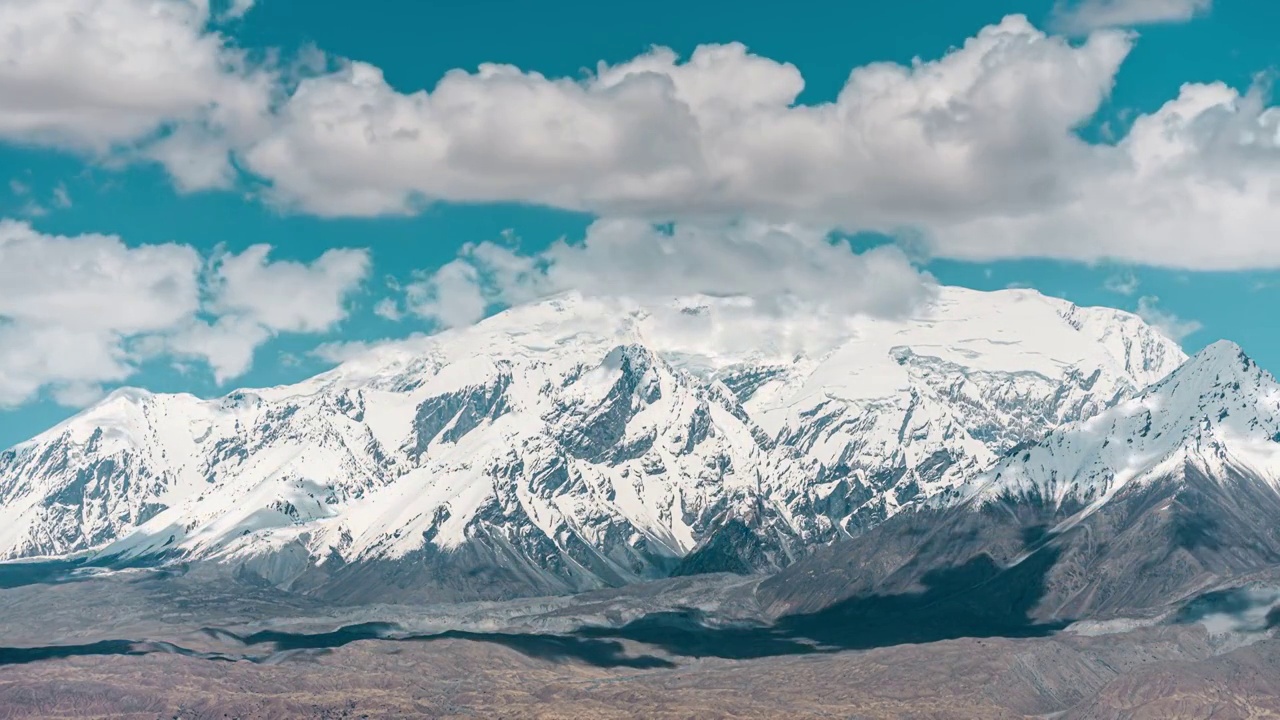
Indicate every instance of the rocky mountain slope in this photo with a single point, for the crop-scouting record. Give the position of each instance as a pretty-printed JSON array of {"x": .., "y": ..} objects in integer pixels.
[
  {"x": 1166, "y": 495},
  {"x": 576, "y": 442}
]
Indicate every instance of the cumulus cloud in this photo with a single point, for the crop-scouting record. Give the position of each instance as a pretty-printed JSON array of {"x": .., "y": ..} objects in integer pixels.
[
  {"x": 79, "y": 312},
  {"x": 227, "y": 344},
  {"x": 986, "y": 128},
  {"x": 253, "y": 299},
  {"x": 98, "y": 76},
  {"x": 1082, "y": 16},
  {"x": 68, "y": 305},
  {"x": 977, "y": 152},
  {"x": 777, "y": 267},
  {"x": 1174, "y": 327},
  {"x": 285, "y": 295},
  {"x": 1192, "y": 185}
]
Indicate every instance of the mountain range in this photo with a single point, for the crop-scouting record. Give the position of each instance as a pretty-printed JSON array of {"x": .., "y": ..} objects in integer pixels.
[{"x": 580, "y": 442}]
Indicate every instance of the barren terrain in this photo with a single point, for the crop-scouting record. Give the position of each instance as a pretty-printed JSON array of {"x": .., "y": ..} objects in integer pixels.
[{"x": 179, "y": 647}]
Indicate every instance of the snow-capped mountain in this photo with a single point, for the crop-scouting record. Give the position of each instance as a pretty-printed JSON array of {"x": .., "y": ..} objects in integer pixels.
[
  {"x": 1164, "y": 495},
  {"x": 1218, "y": 415},
  {"x": 576, "y": 442}
]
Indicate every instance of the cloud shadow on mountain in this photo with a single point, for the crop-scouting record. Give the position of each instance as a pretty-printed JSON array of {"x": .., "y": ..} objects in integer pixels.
[
  {"x": 21, "y": 573},
  {"x": 977, "y": 599},
  {"x": 38, "y": 572}
]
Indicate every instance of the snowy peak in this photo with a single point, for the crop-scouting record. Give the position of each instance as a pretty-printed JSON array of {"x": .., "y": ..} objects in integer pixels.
[
  {"x": 1219, "y": 413},
  {"x": 1216, "y": 374},
  {"x": 1220, "y": 392}
]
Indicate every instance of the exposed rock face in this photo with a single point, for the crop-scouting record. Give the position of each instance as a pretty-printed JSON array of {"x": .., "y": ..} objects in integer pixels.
[{"x": 576, "y": 443}]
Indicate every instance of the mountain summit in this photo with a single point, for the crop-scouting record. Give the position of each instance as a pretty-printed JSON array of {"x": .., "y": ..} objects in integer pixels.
[
  {"x": 578, "y": 442},
  {"x": 1218, "y": 415}
]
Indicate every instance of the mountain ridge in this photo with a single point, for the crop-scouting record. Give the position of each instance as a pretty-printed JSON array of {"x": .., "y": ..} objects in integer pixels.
[{"x": 577, "y": 442}]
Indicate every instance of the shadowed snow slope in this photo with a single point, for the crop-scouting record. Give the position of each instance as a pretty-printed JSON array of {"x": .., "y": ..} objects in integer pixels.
[{"x": 577, "y": 442}]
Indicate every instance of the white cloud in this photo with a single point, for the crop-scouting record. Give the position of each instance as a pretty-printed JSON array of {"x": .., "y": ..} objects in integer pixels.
[
  {"x": 33, "y": 357},
  {"x": 195, "y": 159},
  {"x": 31, "y": 207},
  {"x": 778, "y": 267},
  {"x": 69, "y": 304},
  {"x": 285, "y": 295},
  {"x": 986, "y": 128},
  {"x": 61, "y": 197},
  {"x": 342, "y": 351},
  {"x": 77, "y": 394},
  {"x": 1124, "y": 283},
  {"x": 103, "y": 75},
  {"x": 253, "y": 299},
  {"x": 1174, "y": 327},
  {"x": 238, "y": 8},
  {"x": 456, "y": 294},
  {"x": 1082, "y": 16},
  {"x": 388, "y": 309},
  {"x": 79, "y": 312},
  {"x": 227, "y": 344},
  {"x": 1192, "y": 185},
  {"x": 91, "y": 282}
]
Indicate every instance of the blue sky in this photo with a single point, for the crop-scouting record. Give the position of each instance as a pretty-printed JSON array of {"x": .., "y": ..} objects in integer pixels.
[{"x": 221, "y": 156}]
